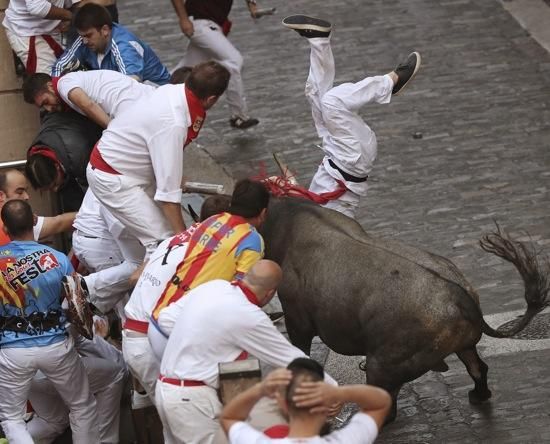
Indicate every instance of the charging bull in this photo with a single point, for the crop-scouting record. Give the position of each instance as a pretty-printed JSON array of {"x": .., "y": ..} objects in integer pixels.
[{"x": 402, "y": 307}]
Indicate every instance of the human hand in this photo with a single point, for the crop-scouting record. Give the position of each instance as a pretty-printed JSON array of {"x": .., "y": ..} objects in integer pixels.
[
  {"x": 275, "y": 381},
  {"x": 64, "y": 26},
  {"x": 187, "y": 27},
  {"x": 252, "y": 7},
  {"x": 320, "y": 397}
]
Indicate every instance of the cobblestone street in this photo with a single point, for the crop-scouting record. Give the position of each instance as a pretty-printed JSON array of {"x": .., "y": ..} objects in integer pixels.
[{"x": 481, "y": 102}]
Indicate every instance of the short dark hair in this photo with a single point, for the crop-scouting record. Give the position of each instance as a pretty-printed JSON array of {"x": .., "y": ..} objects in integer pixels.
[
  {"x": 303, "y": 369},
  {"x": 249, "y": 198},
  {"x": 92, "y": 15},
  {"x": 214, "y": 205},
  {"x": 34, "y": 85},
  {"x": 40, "y": 171},
  {"x": 180, "y": 75},
  {"x": 208, "y": 79},
  {"x": 17, "y": 217}
]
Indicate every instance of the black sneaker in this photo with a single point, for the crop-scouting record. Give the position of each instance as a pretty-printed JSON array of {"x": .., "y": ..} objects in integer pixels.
[
  {"x": 306, "y": 26},
  {"x": 243, "y": 122},
  {"x": 406, "y": 71}
]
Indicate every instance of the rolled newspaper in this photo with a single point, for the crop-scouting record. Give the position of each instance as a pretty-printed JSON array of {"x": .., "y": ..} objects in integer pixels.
[{"x": 203, "y": 188}]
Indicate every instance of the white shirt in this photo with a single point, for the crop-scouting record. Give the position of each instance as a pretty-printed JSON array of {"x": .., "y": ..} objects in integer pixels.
[
  {"x": 88, "y": 220},
  {"x": 37, "y": 228},
  {"x": 26, "y": 17},
  {"x": 360, "y": 430},
  {"x": 156, "y": 274},
  {"x": 112, "y": 91},
  {"x": 216, "y": 324},
  {"x": 146, "y": 141}
]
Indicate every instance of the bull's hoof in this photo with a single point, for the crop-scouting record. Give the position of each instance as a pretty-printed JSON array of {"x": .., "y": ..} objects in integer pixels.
[{"x": 475, "y": 397}]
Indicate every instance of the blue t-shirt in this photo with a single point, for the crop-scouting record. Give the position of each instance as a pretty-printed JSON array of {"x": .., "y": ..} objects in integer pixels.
[
  {"x": 30, "y": 282},
  {"x": 125, "y": 53}
]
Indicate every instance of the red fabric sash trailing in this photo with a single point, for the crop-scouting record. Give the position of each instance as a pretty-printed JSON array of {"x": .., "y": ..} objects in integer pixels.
[
  {"x": 279, "y": 187},
  {"x": 197, "y": 113},
  {"x": 32, "y": 58}
]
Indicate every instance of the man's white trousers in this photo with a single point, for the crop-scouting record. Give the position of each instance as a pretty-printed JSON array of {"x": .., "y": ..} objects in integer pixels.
[
  {"x": 209, "y": 43},
  {"x": 61, "y": 364},
  {"x": 130, "y": 200}
]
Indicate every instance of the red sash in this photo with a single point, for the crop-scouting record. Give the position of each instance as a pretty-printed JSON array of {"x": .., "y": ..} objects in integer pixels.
[
  {"x": 31, "y": 56},
  {"x": 99, "y": 163}
]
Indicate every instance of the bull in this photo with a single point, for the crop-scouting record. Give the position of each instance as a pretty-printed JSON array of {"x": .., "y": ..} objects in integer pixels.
[{"x": 404, "y": 308}]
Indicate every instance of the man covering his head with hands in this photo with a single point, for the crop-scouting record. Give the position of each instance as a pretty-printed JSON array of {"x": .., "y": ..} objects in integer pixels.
[{"x": 307, "y": 401}]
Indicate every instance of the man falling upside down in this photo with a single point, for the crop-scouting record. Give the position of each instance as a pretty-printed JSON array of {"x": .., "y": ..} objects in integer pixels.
[{"x": 349, "y": 143}]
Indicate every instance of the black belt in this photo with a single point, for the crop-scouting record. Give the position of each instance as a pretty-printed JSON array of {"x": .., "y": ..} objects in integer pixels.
[
  {"x": 347, "y": 177},
  {"x": 34, "y": 324}
]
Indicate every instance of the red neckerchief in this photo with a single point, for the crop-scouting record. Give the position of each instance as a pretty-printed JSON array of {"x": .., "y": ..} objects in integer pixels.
[
  {"x": 247, "y": 292},
  {"x": 197, "y": 114},
  {"x": 55, "y": 80}
]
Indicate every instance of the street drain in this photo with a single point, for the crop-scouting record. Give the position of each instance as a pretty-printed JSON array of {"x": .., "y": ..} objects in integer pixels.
[{"x": 538, "y": 328}]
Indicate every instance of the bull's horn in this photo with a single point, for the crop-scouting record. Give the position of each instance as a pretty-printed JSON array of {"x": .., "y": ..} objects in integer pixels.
[{"x": 285, "y": 171}]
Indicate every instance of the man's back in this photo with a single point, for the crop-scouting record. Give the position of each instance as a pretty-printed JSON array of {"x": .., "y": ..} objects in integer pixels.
[
  {"x": 224, "y": 246},
  {"x": 30, "y": 288},
  {"x": 360, "y": 430},
  {"x": 207, "y": 332},
  {"x": 125, "y": 144}
]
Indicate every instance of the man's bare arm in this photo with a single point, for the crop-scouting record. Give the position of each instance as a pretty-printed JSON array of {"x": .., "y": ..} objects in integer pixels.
[
  {"x": 90, "y": 108},
  {"x": 172, "y": 211},
  {"x": 186, "y": 25},
  {"x": 57, "y": 224},
  {"x": 56, "y": 13},
  {"x": 320, "y": 396}
]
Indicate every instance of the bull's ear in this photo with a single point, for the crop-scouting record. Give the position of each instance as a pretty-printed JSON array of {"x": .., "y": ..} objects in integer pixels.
[{"x": 192, "y": 212}]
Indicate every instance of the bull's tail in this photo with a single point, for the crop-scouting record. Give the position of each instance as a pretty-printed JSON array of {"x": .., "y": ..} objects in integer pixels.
[{"x": 533, "y": 271}]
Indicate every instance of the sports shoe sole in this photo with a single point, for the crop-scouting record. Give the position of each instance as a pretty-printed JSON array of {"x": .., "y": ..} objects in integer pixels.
[
  {"x": 306, "y": 23},
  {"x": 418, "y": 63},
  {"x": 79, "y": 312}
]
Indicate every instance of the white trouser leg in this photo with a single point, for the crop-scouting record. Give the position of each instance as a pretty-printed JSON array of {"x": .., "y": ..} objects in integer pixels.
[
  {"x": 157, "y": 340},
  {"x": 45, "y": 57},
  {"x": 51, "y": 416},
  {"x": 61, "y": 365},
  {"x": 130, "y": 200},
  {"x": 142, "y": 362},
  {"x": 320, "y": 79},
  {"x": 109, "y": 272},
  {"x": 208, "y": 40},
  {"x": 190, "y": 413}
]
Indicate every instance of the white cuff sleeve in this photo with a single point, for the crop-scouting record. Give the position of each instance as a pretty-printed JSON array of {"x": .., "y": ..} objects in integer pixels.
[{"x": 168, "y": 196}]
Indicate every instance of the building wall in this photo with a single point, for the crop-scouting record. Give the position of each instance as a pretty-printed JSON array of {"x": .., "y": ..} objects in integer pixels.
[{"x": 18, "y": 120}]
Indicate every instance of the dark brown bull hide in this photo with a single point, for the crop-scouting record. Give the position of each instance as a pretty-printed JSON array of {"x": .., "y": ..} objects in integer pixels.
[{"x": 402, "y": 307}]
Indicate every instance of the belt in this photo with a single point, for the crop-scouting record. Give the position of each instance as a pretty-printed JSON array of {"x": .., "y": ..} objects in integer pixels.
[
  {"x": 139, "y": 326},
  {"x": 181, "y": 382},
  {"x": 348, "y": 177},
  {"x": 98, "y": 163}
]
